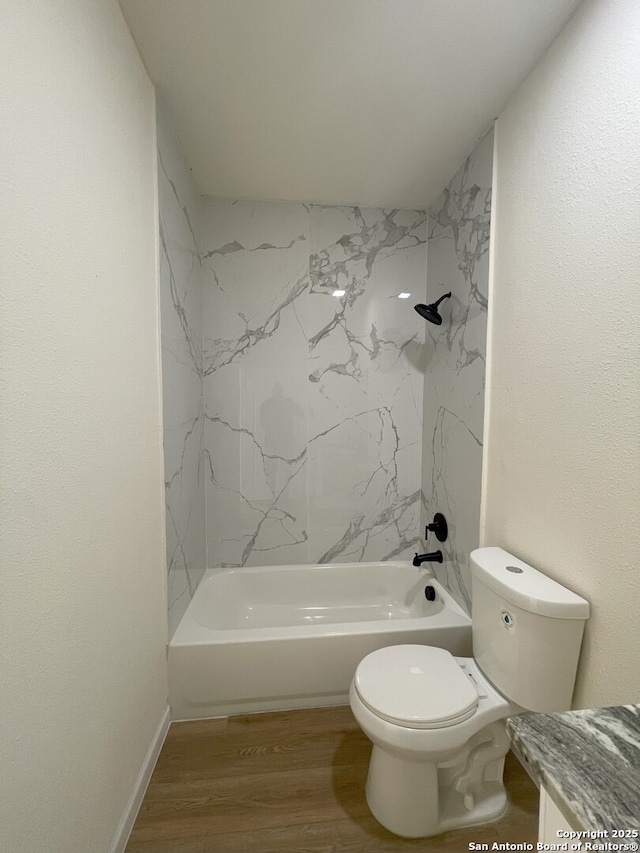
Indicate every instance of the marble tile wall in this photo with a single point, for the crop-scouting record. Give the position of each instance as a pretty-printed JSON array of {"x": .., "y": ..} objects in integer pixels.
[
  {"x": 313, "y": 403},
  {"x": 457, "y": 261},
  {"x": 182, "y": 381}
]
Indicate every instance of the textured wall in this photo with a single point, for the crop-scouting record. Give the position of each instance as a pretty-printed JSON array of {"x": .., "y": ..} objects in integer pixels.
[
  {"x": 563, "y": 452},
  {"x": 457, "y": 261},
  {"x": 313, "y": 403},
  {"x": 83, "y": 626},
  {"x": 180, "y": 271}
]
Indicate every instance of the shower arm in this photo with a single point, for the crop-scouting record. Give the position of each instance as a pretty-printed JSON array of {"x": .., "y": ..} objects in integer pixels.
[{"x": 438, "y": 301}]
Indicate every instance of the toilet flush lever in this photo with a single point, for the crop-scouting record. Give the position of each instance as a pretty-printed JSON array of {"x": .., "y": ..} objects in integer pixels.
[{"x": 438, "y": 526}]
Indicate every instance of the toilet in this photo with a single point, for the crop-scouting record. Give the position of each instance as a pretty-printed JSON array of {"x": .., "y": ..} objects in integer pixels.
[{"x": 437, "y": 722}]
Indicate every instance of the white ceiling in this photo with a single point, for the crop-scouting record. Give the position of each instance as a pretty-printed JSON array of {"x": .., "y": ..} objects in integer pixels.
[{"x": 369, "y": 102}]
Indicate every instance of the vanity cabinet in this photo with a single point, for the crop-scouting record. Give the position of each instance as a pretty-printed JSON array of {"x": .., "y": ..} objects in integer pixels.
[{"x": 550, "y": 820}]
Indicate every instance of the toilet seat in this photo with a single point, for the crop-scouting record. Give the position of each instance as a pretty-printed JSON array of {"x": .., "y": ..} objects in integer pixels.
[{"x": 418, "y": 687}]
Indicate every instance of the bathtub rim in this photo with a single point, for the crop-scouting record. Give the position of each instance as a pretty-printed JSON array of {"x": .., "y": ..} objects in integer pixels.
[{"x": 191, "y": 633}]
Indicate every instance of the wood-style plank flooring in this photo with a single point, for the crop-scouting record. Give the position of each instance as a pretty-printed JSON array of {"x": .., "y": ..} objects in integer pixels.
[{"x": 289, "y": 781}]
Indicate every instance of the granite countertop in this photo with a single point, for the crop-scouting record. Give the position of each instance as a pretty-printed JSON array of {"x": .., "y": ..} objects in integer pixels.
[{"x": 589, "y": 762}]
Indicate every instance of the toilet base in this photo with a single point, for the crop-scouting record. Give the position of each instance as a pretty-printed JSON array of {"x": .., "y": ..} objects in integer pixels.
[{"x": 416, "y": 799}]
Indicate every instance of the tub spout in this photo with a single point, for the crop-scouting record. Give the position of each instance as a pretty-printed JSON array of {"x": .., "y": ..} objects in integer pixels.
[{"x": 435, "y": 557}]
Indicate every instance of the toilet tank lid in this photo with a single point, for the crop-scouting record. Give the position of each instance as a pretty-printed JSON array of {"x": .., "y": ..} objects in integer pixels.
[{"x": 526, "y": 587}]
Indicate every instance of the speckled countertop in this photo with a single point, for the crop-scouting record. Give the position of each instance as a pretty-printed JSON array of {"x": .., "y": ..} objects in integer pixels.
[{"x": 589, "y": 762}]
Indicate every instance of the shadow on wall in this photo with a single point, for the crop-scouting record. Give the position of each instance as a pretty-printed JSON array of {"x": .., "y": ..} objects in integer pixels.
[{"x": 282, "y": 423}]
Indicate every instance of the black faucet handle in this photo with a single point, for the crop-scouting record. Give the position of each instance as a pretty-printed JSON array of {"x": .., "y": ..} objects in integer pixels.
[{"x": 438, "y": 526}]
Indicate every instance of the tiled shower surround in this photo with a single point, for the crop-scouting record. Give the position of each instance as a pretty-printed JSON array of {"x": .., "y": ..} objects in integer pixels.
[
  {"x": 458, "y": 261},
  {"x": 296, "y": 416},
  {"x": 183, "y": 404},
  {"x": 313, "y": 401}
]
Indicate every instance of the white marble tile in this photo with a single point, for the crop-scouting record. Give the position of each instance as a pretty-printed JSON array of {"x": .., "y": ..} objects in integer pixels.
[
  {"x": 182, "y": 387},
  {"x": 255, "y": 257},
  {"x": 312, "y": 403},
  {"x": 365, "y": 392},
  {"x": 457, "y": 261}
]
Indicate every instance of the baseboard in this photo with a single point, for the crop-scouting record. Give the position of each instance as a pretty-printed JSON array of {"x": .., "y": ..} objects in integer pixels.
[{"x": 139, "y": 789}]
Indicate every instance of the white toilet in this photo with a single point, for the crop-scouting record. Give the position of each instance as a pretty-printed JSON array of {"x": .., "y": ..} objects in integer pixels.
[{"x": 437, "y": 722}]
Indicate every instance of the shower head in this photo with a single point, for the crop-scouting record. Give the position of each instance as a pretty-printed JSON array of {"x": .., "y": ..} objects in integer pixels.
[{"x": 430, "y": 312}]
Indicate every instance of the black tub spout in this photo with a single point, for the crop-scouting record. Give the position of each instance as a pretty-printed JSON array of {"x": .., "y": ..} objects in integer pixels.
[{"x": 435, "y": 557}]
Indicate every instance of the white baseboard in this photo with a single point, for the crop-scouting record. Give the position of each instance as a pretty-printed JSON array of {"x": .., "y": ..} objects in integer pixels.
[{"x": 139, "y": 789}]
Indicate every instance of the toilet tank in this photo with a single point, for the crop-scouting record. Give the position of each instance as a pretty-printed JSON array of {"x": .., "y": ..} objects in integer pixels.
[{"x": 527, "y": 630}]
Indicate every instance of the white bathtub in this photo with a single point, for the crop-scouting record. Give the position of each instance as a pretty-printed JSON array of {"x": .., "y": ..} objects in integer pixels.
[{"x": 278, "y": 637}]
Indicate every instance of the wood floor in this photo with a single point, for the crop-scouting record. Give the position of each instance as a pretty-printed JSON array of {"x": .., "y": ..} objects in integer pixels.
[{"x": 289, "y": 781}]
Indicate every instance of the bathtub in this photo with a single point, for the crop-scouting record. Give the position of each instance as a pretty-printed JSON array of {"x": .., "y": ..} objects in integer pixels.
[{"x": 279, "y": 637}]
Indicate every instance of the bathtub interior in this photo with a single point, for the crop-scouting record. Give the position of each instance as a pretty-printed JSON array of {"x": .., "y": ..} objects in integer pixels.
[{"x": 288, "y": 596}]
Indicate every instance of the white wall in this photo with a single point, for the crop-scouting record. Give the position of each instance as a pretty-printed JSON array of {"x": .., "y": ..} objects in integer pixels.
[
  {"x": 82, "y": 599},
  {"x": 562, "y": 464}
]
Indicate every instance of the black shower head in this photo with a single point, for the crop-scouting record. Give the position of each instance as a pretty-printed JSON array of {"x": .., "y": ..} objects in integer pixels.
[{"x": 430, "y": 312}]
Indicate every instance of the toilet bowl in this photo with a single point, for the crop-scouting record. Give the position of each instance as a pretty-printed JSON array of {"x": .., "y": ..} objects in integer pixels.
[
  {"x": 437, "y": 722},
  {"x": 437, "y": 728}
]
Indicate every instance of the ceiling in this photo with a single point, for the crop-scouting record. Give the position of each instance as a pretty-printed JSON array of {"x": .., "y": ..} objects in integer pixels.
[{"x": 368, "y": 102}]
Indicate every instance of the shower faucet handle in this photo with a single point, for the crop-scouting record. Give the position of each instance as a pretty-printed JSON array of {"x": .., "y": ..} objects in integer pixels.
[{"x": 438, "y": 526}]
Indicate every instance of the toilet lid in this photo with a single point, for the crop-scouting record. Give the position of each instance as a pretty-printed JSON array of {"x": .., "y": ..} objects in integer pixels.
[{"x": 420, "y": 687}]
